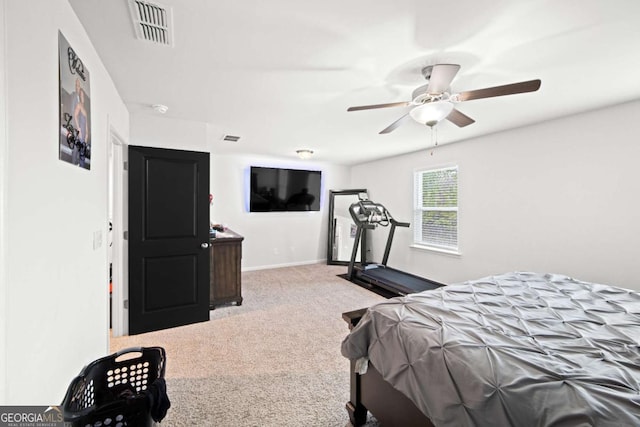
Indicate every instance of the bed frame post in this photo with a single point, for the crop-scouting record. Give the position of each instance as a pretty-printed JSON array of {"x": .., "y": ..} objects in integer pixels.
[
  {"x": 357, "y": 411},
  {"x": 355, "y": 408}
]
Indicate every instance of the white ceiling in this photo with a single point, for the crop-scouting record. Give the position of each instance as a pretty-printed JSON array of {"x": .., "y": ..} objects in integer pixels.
[{"x": 281, "y": 73}]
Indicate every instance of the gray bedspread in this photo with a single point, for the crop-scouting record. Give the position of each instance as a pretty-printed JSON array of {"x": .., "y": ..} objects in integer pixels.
[{"x": 519, "y": 349}]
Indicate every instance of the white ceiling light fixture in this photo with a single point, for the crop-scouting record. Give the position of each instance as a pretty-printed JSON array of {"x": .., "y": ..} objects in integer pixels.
[
  {"x": 304, "y": 154},
  {"x": 160, "y": 108},
  {"x": 431, "y": 113}
]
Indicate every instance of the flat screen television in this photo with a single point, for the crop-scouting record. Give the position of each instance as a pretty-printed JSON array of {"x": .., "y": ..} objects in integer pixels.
[{"x": 278, "y": 189}]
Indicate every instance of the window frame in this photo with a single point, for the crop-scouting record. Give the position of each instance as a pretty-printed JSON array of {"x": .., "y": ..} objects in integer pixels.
[{"x": 418, "y": 209}]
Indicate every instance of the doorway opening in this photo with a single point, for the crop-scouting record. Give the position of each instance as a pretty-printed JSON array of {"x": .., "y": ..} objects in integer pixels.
[{"x": 117, "y": 210}]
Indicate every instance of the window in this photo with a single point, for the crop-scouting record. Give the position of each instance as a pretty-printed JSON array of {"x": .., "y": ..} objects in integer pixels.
[{"x": 436, "y": 208}]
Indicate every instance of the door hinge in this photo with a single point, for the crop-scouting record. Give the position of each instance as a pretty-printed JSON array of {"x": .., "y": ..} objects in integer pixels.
[
  {"x": 125, "y": 235},
  {"x": 125, "y": 303},
  {"x": 125, "y": 166}
]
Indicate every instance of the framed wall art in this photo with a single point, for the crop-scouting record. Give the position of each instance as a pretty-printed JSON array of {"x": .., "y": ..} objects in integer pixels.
[{"x": 75, "y": 107}]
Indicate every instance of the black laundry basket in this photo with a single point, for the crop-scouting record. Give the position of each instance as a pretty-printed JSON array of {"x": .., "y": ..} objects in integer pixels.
[{"x": 114, "y": 391}]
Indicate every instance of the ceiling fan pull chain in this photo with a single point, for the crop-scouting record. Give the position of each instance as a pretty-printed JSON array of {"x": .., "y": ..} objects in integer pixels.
[{"x": 431, "y": 140}]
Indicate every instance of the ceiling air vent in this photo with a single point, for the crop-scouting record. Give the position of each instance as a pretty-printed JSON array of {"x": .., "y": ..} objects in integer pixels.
[
  {"x": 231, "y": 138},
  {"x": 151, "y": 22}
]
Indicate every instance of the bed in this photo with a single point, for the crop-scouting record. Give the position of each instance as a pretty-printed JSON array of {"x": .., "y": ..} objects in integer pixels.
[{"x": 518, "y": 349}]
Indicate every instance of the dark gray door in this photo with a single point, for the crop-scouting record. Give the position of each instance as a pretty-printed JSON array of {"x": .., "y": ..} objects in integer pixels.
[{"x": 168, "y": 238}]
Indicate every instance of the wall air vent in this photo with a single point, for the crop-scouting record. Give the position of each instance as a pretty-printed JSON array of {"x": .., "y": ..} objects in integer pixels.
[
  {"x": 151, "y": 22},
  {"x": 231, "y": 138}
]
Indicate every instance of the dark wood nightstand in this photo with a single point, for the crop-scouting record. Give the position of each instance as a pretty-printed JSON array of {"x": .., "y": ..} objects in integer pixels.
[{"x": 225, "y": 269}]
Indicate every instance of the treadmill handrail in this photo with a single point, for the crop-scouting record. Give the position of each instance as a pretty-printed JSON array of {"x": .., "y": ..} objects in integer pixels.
[
  {"x": 354, "y": 251},
  {"x": 401, "y": 224},
  {"x": 387, "y": 248}
]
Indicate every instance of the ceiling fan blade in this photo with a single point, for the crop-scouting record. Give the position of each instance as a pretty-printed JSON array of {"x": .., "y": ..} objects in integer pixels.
[
  {"x": 510, "y": 89},
  {"x": 371, "y": 107},
  {"x": 459, "y": 119},
  {"x": 394, "y": 125},
  {"x": 441, "y": 77}
]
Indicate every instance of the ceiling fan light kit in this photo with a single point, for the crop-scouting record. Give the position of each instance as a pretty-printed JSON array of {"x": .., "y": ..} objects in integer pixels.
[
  {"x": 431, "y": 113},
  {"x": 433, "y": 103}
]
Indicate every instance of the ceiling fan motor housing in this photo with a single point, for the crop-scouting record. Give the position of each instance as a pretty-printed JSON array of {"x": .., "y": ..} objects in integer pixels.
[{"x": 426, "y": 72}]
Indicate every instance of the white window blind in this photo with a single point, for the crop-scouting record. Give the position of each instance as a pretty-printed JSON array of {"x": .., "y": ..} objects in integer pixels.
[{"x": 436, "y": 208}]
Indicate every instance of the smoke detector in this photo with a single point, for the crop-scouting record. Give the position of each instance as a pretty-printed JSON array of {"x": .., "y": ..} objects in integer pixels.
[
  {"x": 151, "y": 22},
  {"x": 160, "y": 108}
]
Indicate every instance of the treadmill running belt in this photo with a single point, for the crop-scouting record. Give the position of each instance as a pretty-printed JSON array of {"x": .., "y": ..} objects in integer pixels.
[{"x": 398, "y": 280}]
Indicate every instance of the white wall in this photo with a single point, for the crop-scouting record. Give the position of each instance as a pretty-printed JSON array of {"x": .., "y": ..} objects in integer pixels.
[
  {"x": 4, "y": 161},
  {"x": 56, "y": 314},
  {"x": 155, "y": 130},
  {"x": 272, "y": 239},
  {"x": 556, "y": 197}
]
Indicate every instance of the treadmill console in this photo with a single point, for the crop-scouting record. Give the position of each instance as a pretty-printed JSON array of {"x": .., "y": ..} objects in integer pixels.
[{"x": 368, "y": 212}]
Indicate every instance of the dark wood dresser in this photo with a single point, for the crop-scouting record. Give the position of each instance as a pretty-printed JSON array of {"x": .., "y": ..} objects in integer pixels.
[{"x": 225, "y": 275}]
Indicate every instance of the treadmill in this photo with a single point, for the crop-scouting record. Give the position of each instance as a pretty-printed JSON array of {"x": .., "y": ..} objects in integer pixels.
[{"x": 380, "y": 278}]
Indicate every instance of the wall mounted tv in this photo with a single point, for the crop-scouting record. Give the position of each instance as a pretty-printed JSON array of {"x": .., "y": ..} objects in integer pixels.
[{"x": 277, "y": 189}]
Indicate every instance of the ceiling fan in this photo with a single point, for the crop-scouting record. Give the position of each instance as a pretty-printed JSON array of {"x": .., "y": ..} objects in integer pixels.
[{"x": 432, "y": 103}]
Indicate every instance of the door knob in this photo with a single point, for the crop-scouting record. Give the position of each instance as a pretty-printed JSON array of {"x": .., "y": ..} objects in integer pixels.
[{"x": 204, "y": 245}]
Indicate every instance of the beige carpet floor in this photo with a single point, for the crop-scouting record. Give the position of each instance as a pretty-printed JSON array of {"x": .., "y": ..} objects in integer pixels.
[{"x": 273, "y": 361}]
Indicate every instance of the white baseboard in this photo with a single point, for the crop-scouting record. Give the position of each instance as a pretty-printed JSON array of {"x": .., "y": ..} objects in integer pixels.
[{"x": 289, "y": 264}]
